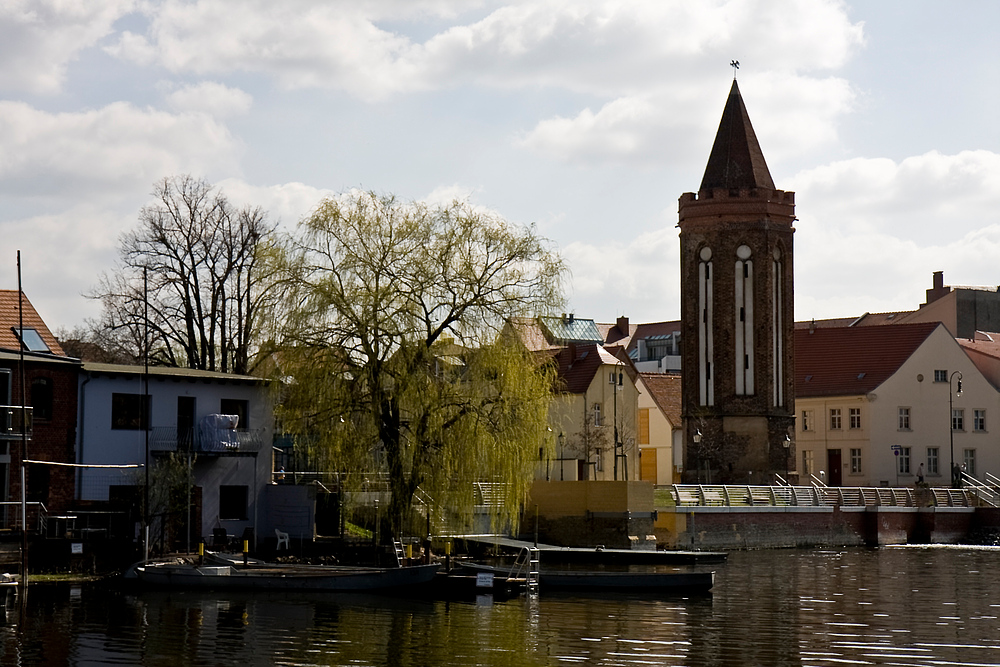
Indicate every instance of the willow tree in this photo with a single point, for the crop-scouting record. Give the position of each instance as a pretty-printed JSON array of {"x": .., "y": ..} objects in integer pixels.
[{"x": 392, "y": 353}]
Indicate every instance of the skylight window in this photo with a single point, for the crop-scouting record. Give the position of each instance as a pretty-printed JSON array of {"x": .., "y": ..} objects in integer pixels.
[{"x": 31, "y": 340}]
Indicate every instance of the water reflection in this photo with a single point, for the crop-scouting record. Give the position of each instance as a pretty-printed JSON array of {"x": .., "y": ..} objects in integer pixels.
[{"x": 890, "y": 606}]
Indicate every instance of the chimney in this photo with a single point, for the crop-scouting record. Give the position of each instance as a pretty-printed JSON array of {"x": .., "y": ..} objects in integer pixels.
[
  {"x": 623, "y": 325},
  {"x": 938, "y": 290}
]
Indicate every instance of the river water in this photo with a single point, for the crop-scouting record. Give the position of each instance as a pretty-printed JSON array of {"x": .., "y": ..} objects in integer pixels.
[{"x": 892, "y": 606}]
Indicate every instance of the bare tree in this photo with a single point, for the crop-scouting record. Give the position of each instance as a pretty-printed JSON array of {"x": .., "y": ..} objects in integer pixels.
[{"x": 205, "y": 291}]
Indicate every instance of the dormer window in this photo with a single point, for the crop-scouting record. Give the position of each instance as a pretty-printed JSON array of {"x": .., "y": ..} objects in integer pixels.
[{"x": 31, "y": 340}]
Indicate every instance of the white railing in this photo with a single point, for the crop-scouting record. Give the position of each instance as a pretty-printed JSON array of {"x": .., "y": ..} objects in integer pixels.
[{"x": 742, "y": 495}]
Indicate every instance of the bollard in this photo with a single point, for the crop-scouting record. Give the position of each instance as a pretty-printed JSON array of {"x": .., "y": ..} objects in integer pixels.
[
  {"x": 447, "y": 556},
  {"x": 246, "y": 550},
  {"x": 201, "y": 553},
  {"x": 409, "y": 552}
]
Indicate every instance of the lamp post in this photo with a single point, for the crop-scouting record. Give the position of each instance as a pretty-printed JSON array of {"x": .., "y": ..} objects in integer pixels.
[
  {"x": 562, "y": 474},
  {"x": 616, "y": 385},
  {"x": 956, "y": 476},
  {"x": 697, "y": 440}
]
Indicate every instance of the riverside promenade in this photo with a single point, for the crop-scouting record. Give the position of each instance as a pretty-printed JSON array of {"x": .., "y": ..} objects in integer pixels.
[{"x": 758, "y": 517}]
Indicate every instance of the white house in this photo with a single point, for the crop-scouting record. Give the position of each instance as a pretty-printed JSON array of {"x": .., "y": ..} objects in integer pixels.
[{"x": 230, "y": 467}]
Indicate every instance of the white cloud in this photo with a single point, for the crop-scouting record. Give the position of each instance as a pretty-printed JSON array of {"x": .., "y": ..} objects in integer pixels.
[
  {"x": 38, "y": 38},
  {"x": 791, "y": 115},
  {"x": 209, "y": 97},
  {"x": 872, "y": 231},
  {"x": 98, "y": 152},
  {"x": 605, "y": 48},
  {"x": 639, "y": 278},
  {"x": 286, "y": 204}
]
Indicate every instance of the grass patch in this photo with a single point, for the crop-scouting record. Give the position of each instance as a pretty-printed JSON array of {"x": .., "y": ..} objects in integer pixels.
[{"x": 354, "y": 530}]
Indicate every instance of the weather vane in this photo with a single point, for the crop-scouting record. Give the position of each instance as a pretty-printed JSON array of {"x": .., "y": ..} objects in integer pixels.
[{"x": 735, "y": 64}]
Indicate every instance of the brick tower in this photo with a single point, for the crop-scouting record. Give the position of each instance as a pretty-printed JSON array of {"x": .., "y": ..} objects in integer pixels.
[{"x": 736, "y": 311}]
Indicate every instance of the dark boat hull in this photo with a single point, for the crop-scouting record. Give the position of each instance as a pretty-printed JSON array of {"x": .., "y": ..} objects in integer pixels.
[{"x": 285, "y": 578}]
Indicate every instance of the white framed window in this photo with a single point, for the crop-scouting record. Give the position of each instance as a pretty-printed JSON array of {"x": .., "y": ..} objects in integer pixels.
[
  {"x": 597, "y": 415},
  {"x": 855, "y": 416},
  {"x": 904, "y": 419},
  {"x": 932, "y": 461},
  {"x": 941, "y": 376},
  {"x": 958, "y": 419},
  {"x": 969, "y": 462},
  {"x": 599, "y": 460},
  {"x": 807, "y": 420},
  {"x": 834, "y": 419},
  {"x": 979, "y": 421},
  {"x": 856, "y": 460},
  {"x": 807, "y": 463},
  {"x": 904, "y": 460}
]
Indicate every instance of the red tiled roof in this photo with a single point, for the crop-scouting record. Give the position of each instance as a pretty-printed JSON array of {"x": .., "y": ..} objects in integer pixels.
[
  {"x": 845, "y": 361},
  {"x": 32, "y": 320},
  {"x": 665, "y": 390},
  {"x": 990, "y": 348}
]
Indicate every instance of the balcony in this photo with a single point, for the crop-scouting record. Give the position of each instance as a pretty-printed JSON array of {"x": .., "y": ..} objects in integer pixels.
[
  {"x": 15, "y": 422},
  {"x": 210, "y": 441}
]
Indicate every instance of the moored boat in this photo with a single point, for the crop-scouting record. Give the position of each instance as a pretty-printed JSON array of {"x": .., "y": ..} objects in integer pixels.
[{"x": 284, "y": 577}]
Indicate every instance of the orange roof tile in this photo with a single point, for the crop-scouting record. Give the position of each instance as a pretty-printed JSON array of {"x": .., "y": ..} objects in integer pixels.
[
  {"x": 665, "y": 390},
  {"x": 845, "y": 361},
  {"x": 32, "y": 320}
]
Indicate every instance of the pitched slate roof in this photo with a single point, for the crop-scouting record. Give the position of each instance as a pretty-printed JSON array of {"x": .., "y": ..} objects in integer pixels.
[
  {"x": 665, "y": 390},
  {"x": 32, "y": 320},
  {"x": 736, "y": 160},
  {"x": 846, "y": 361}
]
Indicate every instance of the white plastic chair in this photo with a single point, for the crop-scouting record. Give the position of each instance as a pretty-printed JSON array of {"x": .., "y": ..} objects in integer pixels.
[{"x": 282, "y": 539}]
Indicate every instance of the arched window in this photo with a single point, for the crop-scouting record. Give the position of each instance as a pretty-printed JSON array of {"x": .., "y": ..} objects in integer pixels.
[
  {"x": 744, "y": 361},
  {"x": 41, "y": 398},
  {"x": 777, "y": 327},
  {"x": 706, "y": 383}
]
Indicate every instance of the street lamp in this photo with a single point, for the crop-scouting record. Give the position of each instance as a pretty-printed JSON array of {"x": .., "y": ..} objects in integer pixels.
[
  {"x": 562, "y": 468},
  {"x": 697, "y": 440},
  {"x": 615, "y": 388},
  {"x": 956, "y": 475}
]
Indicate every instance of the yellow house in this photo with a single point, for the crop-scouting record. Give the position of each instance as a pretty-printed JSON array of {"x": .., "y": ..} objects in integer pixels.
[{"x": 659, "y": 427}]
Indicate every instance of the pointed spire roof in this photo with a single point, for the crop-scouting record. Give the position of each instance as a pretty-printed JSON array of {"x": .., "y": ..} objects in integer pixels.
[{"x": 736, "y": 160}]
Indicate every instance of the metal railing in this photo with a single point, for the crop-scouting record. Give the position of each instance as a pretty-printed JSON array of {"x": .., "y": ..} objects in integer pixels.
[
  {"x": 15, "y": 422},
  {"x": 987, "y": 492},
  {"x": 205, "y": 441},
  {"x": 731, "y": 495}
]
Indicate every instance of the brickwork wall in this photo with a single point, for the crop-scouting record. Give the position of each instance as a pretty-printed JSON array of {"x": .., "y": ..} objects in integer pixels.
[
  {"x": 770, "y": 528},
  {"x": 723, "y": 221},
  {"x": 53, "y": 439}
]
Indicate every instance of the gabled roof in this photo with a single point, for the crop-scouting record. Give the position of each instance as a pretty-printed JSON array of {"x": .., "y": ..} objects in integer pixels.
[
  {"x": 576, "y": 365},
  {"x": 637, "y": 332},
  {"x": 736, "y": 160},
  {"x": 665, "y": 390},
  {"x": 32, "y": 320},
  {"x": 846, "y": 361}
]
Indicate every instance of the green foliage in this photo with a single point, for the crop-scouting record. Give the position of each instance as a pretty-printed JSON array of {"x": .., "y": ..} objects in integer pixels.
[{"x": 391, "y": 347}]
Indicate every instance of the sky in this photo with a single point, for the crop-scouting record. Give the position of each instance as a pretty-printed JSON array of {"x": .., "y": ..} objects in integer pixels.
[{"x": 586, "y": 119}]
